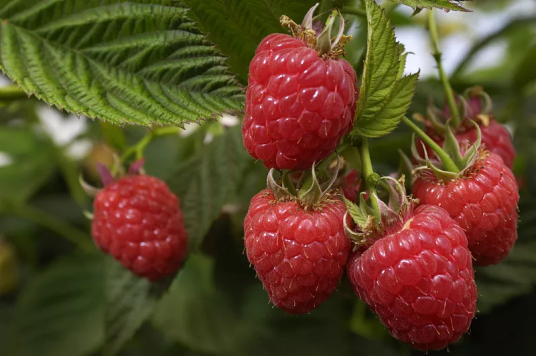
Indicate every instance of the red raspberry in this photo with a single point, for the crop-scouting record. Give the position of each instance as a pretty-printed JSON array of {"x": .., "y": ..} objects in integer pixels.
[
  {"x": 419, "y": 279},
  {"x": 495, "y": 138},
  {"x": 483, "y": 201},
  {"x": 298, "y": 104},
  {"x": 138, "y": 221},
  {"x": 299, "y": 255}
]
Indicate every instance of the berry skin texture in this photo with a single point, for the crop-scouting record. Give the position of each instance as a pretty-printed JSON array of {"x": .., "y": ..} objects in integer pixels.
[
  {"x": 298, "y": 105},
  {"x": 483, "y": 202},
  {"x": 419, "y": 279},
  {"x": 495, "y": 138},
  {"x": 298, "y": 255},
  {"x": 138, "y": 221}
]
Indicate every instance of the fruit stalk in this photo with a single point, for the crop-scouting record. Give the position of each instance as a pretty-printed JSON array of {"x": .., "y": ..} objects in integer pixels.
[
  {"x": 447, "y": 161},
  {"x": 432, "y": 27},
  {"x": 139, "y": 147},
  {"x": 369, "y": 177}
]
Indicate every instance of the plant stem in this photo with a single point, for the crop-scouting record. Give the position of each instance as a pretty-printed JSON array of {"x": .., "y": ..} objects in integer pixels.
[
  {"x": 442, "y": 75},
  {"x": 139, "y": 147},
  {"x": 367, "y": 172},
  {"x": 12, "y": 92},
  {"x": 443, "y": 156},
  {"x": 52, "y": 223}
]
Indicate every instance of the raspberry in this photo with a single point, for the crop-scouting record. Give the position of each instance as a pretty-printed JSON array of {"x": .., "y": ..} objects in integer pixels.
[
  {"x": 495, "y": 138},
  {"x": 299, "y": 255},
  {"x": 483, "y": 201},
  {"x": 138, "y": 221},
  {"x": 298, "y": 104},
  {"x": 419, "y": 279}
]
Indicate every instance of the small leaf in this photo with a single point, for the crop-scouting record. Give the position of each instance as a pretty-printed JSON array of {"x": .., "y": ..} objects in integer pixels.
[
  {"x": 208, "y": 180},
  {"x": 61, "y": 311},
  {"x": 28, "y": 164},
  {"x": 138, "y": 62},
  {"x": 130, "y": 302},
  {"x": 355, "y": 212},
  {"x": 429, "y": 4},
  {"x": 385, "y": 95}
]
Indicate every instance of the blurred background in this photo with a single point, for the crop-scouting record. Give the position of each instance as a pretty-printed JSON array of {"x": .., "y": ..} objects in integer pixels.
[{"x": 56, "y": 299}]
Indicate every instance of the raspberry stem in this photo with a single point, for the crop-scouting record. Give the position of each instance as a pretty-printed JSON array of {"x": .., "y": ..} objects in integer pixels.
[
  {"x": 139, "y": 147},
  {"x": 12, "y": 92},
  {"x": 443, "y": 156},
  {"x": 369, "y": 177},
  {"x": 432, "y": 27},
  {"x": 52, "y": 223}
]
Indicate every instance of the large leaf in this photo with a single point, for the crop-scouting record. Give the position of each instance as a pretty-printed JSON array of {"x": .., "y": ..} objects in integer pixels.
[
  {"x": 130, "y": 301},
  {"x": 385, "y": 95},
  {"x": 138, "y": 61},
  {"x": 30, "y": 166},
  {"x": 440, "y": 4},
  {"x": 208, "y": 180},
  {"x": 197, "y": 315},
  {"x": 61, "y": 311},
  {"x": 238, "y": 26}
]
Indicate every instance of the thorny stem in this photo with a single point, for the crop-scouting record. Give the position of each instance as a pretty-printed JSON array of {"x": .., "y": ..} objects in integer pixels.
[
  {"x": 443, "y": 156},
  {"x": 367, "y": 172},
  {"x": 139, "y": 147},
  {"x": 52, "y": 223},
  {"x": 432, "y": 27}
]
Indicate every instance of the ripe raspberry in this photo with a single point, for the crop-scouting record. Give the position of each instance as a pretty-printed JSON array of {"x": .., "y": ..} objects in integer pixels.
[
  {"x": 419, "y": 279},
  {"x": 483, "y": 201},
  {"x": 299, "y": 255},
  {"x": 138, "y": 221},
  {"x": 495, "y": 138},
  {"x": 298, "y": 104}
]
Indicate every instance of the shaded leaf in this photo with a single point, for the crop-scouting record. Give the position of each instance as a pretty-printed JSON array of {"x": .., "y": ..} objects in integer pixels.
[
  {"x": 208, "y": 180},
  {"x": 384, "y": 95},
  {"x": 28, "y": 164},
  {"x": 238, "y": 26},
  {"x": 61, "y": 311},
  {"x": 138, "y": 62}
]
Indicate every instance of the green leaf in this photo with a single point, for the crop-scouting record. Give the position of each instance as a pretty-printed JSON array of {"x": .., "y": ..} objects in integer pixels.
[
  {"x": 525, "y": 72},
  {"x": 130, "y": 302},
  {"x": 197, "y": 315},
  {"x": 385, "y": 95},
  {"x": 238, "y": 26},
  {"x": 138, "y": 62},
  {"x": 429, "y": 4},
  {"x": 30, "y": 167},
  {"x": 61, "y": 311},
  {"x": 208, "y": 180}
]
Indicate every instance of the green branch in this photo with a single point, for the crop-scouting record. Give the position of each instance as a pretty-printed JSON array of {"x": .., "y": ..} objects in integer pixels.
[
  {"x": 12, "y": 92},
  {"x": 443, "y": 156},
  {"x": 139, "y": 147},
  {"x": 442, "y": 75},
  {"x": 52, "y": 223}
]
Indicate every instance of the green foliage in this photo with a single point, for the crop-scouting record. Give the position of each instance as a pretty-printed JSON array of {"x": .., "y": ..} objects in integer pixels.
[
  {"x": 130, "y": 301},
  {"x": 208, "y": 180},
  {"x": 61, "y": 312},
  {"x": 384, "y": 95},
  {"x": 429, "y": 4},
  {"x": 238, "y": 26},
  {"x": 137, "y": 62},
  {"x": 525, "y": 72},
  {"x": 31, "y": 164}
]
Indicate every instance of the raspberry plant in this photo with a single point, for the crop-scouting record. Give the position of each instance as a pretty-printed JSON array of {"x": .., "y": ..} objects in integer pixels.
[{"x": 202, "y": 91}]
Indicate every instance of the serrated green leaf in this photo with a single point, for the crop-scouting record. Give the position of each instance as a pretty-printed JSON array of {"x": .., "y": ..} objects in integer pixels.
[
  {"x": 137, "y": 62},
  {"x": 238, "y": 26},
  {"x": 61, "y": 311},
  {"x": 355, "y": 212},
  {"x": 130, "y": 301},
  {"x": 429, "y": 4},
  {"x": 205, "y": 182},
  {"x": 30, "y": 164},
  {"x": 385, "y": 95}
]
